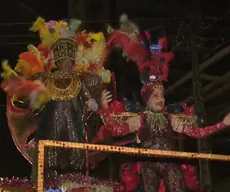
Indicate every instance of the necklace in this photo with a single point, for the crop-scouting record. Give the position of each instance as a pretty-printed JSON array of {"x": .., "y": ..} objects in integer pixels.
[{"x": 57, "y": 93}]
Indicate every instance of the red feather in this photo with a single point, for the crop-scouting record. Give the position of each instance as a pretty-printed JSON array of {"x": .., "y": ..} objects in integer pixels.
[
  {"x": 131, "y": 46},
  {"x": 29, "y": 58},
  {"x": 137, "y": 53},
  {"x": 44, "y": 51}
]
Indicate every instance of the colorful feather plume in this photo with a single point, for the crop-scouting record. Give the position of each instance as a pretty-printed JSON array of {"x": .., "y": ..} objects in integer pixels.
[
  {"x": 92, "y": 53},
  {"x": 130, "y": 45},
  {"x": 7, "y": 71},
  {"x": 29, "y": 64},
  {"x": 51, "y": 31}
]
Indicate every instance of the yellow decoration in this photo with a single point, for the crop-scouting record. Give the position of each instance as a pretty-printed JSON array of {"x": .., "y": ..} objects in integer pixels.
[
  {"x": 65, "y": 93},
  {"x": 157, "y": 121},
  {"x": 42, "y": 99},
  {"x": 7, "y": 71},
  {"x": 96, "y": 37},
  {"x": 125, "y": 114},
  {"x": 34, "y": 50},
  {"x": 138, "y": 140},
  {"x": 81, "y": 67},
  {"x": 64, "y": 48},
  {"x": 105, "y": 75},
  {"x": 186, "y": 119},
  {"x": 49, "y": 32}
]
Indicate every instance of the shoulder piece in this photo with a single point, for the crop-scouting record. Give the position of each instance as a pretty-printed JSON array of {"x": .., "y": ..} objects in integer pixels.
[
  {"x": 90, "y": 80},
  {"x": 92, "y": 83}
]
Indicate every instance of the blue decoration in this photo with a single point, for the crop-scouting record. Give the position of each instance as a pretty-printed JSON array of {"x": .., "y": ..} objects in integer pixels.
[
  {"x": 144, "y": 79},
  {"x": 53, "y": 190},
  {"x": 155, "y": 47}
]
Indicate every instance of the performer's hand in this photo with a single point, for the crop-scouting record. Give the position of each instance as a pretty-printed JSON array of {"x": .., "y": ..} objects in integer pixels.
[
  {"x": 226, "y": 120},
  {"x": 106, "y": 98},
  {"x": 134, "y": 123},
  {"x": 177, "y": 125}
]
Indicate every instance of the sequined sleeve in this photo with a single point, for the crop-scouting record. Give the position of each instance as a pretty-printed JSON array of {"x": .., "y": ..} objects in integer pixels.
[
  {"x": 115, "y": 127},
  {"x": 91, "y": 84},
  {"x": 199, "y": 133}
]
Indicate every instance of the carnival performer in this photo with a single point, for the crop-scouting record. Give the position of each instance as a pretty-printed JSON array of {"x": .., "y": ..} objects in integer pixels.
[
  {"x": 154, "y": 127},
  {"x": 52, "y": 89}
]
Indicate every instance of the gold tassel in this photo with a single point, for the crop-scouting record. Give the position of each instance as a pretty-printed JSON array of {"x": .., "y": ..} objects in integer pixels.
[{"x": 137, "y": 139}]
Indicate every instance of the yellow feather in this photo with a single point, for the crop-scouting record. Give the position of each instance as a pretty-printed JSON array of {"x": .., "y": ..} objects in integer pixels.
[
  {"x": 95, "y": 36},
  {"x": 82, "y": 67},
  {"x": 7, "y": 71},
  {"x": 42, "y": 99},
  {"x": 33, "y": 49},
  {"x": 62, "y": 24},
  {"x": 105, "y": 75},
  {"x": 23, "y": 68},
  {"x": 38, "y": 24}
]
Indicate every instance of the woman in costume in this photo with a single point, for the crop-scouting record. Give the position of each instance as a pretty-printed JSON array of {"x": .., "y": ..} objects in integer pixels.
[
  {"x": 52, "y": 89},
  {"x": 154, "y": 127}
]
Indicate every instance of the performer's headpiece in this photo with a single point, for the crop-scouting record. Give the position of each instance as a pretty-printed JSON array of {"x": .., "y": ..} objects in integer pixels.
[
  {"x": 153, "y": 68},
  {"x": 64, "y": 48},
  {"x": 155, "y": 71}
]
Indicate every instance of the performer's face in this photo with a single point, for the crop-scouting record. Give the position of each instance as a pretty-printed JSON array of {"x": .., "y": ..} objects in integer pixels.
[
  {"x": 157, "y": 100},
  {"x": 65, "y": 65}
]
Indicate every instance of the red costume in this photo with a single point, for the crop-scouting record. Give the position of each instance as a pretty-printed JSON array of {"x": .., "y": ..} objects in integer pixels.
[{"x": 155, "y": 130}]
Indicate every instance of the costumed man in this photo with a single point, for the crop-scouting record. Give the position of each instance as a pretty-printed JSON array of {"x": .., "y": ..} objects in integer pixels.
[
  {"x": 51, "y": 91},
  {"x": 154, "y": 127}
]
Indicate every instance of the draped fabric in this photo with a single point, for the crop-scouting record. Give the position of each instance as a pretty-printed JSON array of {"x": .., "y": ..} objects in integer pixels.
[{"x": 62, "y": 121}]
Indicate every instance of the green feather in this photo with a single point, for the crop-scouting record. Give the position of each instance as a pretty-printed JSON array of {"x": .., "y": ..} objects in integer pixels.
[{"x": 74, "y": 24}]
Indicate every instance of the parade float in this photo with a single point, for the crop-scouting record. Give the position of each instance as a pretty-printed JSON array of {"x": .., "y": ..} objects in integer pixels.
[{"x": 58, "y": 84}]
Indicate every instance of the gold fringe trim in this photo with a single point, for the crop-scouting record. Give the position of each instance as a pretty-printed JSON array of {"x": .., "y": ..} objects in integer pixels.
[{"x": 157, "y": 121}]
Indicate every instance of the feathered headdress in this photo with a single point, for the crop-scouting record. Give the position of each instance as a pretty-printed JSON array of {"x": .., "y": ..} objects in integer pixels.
[
  {"x": 51, "y": 31},
  {"x": 153, "y": 68},
  {"x": 87, "y": 50}
]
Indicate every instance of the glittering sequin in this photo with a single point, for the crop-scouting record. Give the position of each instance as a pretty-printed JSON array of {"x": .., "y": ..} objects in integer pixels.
[
  {"x": 62, "y": 121},
  {"x": 199, "y": 133},
  {"x": 155, "y": 133}
]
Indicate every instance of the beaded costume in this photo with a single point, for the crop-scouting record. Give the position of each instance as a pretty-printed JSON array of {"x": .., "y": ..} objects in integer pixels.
[
  {"x": 155, "y": 131},
  {"x": 52, "y": 104}
]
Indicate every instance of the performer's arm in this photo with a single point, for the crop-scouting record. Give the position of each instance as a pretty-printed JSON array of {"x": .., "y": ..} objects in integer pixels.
[
  {"x": 91, "y": 86},
  {"x": 119, "y": 127},
  {"x": 199, "y": 133}
]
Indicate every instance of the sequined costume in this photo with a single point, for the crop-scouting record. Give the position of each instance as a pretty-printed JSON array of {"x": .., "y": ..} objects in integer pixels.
[
  {"x": 152, "y": 127},
  {"x": 156, "y": 133},
  {"x": 62, "y": 118},
  {"x": 48, "y": 101}
]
